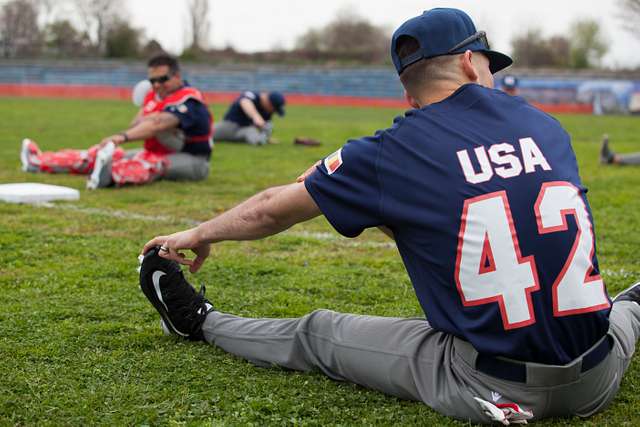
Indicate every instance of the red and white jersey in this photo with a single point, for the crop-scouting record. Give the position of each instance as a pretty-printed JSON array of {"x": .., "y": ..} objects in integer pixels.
[{"x": 198, "y": 135}]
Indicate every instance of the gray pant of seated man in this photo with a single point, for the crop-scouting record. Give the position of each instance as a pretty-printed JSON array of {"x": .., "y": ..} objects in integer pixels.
[
  {"x": 187, "y": 167},
  {"x": 409, "y": 359},
  {"x": 230, "y": 131}
]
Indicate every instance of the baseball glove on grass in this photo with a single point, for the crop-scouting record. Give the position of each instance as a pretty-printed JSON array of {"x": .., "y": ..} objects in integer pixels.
[{"x": 306, "y": 141}]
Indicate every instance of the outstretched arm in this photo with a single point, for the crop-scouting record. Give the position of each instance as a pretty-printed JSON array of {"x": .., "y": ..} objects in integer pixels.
[
  {"x": 145, "y": 128},
  {"x": 267, "y": 213},
  {"x": 251, "y": 112}
]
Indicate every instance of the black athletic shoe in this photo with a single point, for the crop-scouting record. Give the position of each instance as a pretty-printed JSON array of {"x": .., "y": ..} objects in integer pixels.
[
  {"x": 632, "y": 293},
  {"x": 182, "y": 309},
  {"x": 606, "y": 155}
]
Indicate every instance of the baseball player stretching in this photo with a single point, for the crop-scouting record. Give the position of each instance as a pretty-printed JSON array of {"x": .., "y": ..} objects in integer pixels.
[
  {"x": 174, "y": 123},
  {"x": 482, "y": 194},
  {"x": 249, "y": 118}
]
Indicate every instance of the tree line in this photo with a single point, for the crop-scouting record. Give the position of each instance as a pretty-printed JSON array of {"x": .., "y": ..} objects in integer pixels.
[
  {"x": 83, "y": 28},
  {"x": 101, "y": 28}
]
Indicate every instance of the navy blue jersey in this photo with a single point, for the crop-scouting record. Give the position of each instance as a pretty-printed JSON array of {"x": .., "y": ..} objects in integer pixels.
[
  {"x": 237, "y": 115},
  {"x": 195, "y": 122},
  {"x": 483, "y": 196}
]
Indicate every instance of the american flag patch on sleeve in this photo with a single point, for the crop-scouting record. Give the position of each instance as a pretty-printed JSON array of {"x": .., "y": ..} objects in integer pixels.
[{"x": 333, "y": 161}]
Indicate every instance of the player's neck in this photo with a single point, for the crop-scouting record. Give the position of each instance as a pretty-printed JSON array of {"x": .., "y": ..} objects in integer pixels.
[
  {"x": 172, "y": 91},
  {"x": 439, "y": 92}
]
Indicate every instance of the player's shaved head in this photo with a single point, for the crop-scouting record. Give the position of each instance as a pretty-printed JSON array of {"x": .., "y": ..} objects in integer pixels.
[{"x": 425, "y": 73}]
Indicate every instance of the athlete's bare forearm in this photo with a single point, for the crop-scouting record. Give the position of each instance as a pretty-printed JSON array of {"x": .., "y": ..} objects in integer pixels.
[
  {"x": 267, "y": 213},
  {"x": 251, "y": 112},
  {"x": 146, "y": 127},
  {"x": 264, "y": 214}
]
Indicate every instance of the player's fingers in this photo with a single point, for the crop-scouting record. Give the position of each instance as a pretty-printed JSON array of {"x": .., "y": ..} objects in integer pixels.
[
  {"x": 156, "y": 241},
  {"x": 305, "y": 175},
  {"x": 197, "y": 263},
  {"x": 302, "y": 176},
  {"x": 308, "y": 172},
  {"x": 174, "y": 255}
]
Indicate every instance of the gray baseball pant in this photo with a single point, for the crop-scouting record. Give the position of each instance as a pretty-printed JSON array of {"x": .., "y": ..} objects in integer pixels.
[
  {"x": 230, "y": 131},
  {"x": 186, "y": 167},
  {"x": 628, "y": 159},
  {"x": 407, "y": 358},
  {"x": 182, "y": 166}
]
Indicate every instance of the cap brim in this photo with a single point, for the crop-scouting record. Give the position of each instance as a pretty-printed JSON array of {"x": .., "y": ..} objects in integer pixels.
[
  {"x": 497, "y": 61},
  {"x": 280, "y": 111}
]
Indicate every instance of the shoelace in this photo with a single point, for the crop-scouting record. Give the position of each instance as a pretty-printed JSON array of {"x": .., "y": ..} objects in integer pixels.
[{"x": 196, "y": 311}]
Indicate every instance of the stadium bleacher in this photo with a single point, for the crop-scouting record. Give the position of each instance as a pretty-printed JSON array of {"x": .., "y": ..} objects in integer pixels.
[{"x": 556, "y": 93}]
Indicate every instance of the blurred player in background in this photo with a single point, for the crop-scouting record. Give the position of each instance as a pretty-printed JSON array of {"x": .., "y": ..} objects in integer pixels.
[
  {"x": 608, "y": 157},
  {"x": 249, "y": 118},
  {"x": 174, "y": 123},
  {"x": 510, "y": 84}
]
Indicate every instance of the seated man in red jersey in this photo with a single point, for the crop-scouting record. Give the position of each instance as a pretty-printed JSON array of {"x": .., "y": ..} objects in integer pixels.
[{"x": 174, "y": 123}]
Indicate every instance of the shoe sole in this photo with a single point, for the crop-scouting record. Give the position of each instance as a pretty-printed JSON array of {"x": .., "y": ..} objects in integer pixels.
[
  {"x": 102, "y": 157},
  {"x": 625, "y": 291},
  {"x": 24, "y": 154},
  {"x": 165, "y": 328}
]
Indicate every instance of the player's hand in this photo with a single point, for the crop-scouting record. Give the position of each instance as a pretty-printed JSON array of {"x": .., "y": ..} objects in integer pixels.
[
  {"x": 308, "y": 172},
  {"x": 116, "y": 139},
  {"x": 172, "y": 245},
  {"x": 259, "y": 122},
  {"x": 104, "y": 142}
]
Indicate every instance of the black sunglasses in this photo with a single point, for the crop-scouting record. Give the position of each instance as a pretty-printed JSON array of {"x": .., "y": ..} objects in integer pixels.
[
  {"x": 480, "y": 35},
  {"x": 160, "y": 79}
]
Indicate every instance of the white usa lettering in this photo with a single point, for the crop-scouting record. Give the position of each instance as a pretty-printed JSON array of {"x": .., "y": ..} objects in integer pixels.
[{"x": 502, "y": 160}]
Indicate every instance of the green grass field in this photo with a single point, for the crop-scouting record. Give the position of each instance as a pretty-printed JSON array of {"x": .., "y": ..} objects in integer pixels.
[{"x": 80, "y": 345}]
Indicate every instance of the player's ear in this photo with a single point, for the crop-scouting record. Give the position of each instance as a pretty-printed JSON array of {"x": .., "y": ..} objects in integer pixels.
[
  {"x": 468, "y": 68},
  {"x": 411, "y": 100}
]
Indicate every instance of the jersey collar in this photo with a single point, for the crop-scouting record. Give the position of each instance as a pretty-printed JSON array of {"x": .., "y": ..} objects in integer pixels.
[{"x": 463, "y": 97}]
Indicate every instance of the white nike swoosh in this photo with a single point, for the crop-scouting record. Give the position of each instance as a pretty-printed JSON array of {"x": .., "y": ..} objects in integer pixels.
[{"x": 155, "y": 278}]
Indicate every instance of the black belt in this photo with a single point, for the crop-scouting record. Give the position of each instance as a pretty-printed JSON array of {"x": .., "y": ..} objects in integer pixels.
[{"x": 513, "y": 370}]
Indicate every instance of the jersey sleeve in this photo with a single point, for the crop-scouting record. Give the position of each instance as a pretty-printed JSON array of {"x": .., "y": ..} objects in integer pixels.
[
  {"x": 346, "y": 188},
  {"x": 193, "y": 116},
  {"x": 252, "y": 96}
]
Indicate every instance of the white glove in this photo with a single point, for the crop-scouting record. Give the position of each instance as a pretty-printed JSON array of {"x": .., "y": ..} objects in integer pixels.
[{"x": 505, "y": 413}]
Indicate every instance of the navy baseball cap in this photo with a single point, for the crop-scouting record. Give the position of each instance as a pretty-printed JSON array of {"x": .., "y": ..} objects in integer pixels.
[
  {"x": 444, "y": 31},
  {"x": 277, "y": 100}
]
